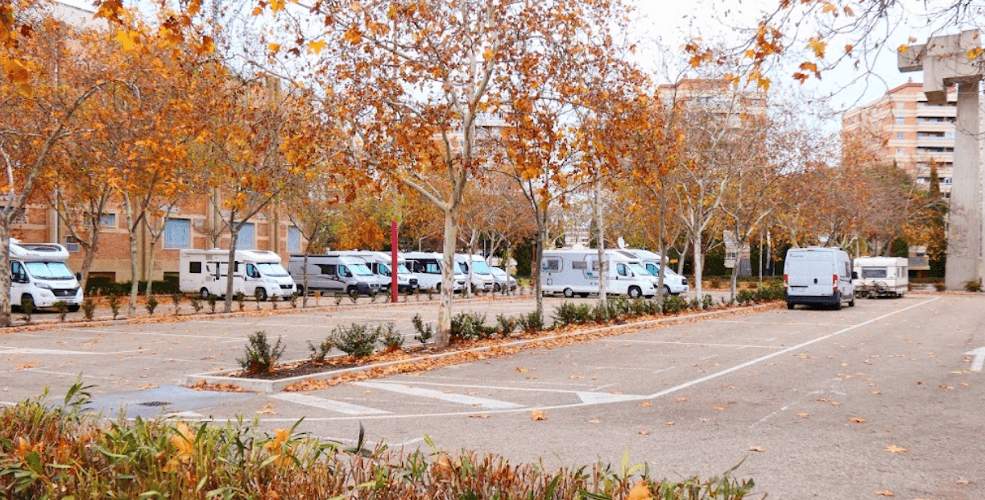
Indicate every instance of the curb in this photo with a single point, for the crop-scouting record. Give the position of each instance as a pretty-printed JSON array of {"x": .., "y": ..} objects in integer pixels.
[{"x": 267, "y": 386}]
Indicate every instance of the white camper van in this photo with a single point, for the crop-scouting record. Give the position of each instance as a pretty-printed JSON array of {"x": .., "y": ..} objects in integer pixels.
[
  {"x": 380, "y": 263},
  {"x": 334, "y": 272},
  {"x": 38, "y": 275},
  {"x": 426, "y": 267},
  {"x": 674, "y": 284},
  {"x": 818, "y": 275},
  {"x": 256, "y": 273},
  {"x": 571, "y": 271},
  {"x": 476, "y": 270},
  {"x": 881, "y": 276}
]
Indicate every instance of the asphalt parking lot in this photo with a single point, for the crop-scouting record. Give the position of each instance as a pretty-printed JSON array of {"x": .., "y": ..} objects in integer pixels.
[{"x": 882, "y": 397}]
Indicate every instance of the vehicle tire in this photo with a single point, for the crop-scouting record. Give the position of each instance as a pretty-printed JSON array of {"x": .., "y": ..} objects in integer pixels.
[
  {"x": 349, "y": 290},
  {"x": 260, "y": 294},
  {"x": 300, "y": 291},
  {"x": 851, "y": 303},
  {"x": 790, "y": 305},
  {"x": 28, "y": 299},
  {"x": 568, "y": 293},
  {"x": 204, "y": 293},
  {"x": 583, "y": 295},
  {"x": 437, "y": 288},
  {"x": 634, "y": 292},
  {"x": 838, "y": 302},
  {"x": 73, "y": 308},
  {"x": 667, "y": 290},
  {"x": 496, "y": 287}
]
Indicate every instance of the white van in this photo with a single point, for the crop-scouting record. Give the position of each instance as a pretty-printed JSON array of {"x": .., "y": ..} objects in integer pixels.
[
  {"x": 39, "y": 276},
  {"x": 881, "y": 276},
  {"x": 334, "y": 272},
  {"x": 380, "y": 263},
  {"x": 426, "y": 267},
  {"x": 256, "y": 273},
  {"x": 674, "y": 284},
  {"x": 571, "y": 271},
  {"x": 818, "y": 275},
  {"x": 477, "y": 271}
]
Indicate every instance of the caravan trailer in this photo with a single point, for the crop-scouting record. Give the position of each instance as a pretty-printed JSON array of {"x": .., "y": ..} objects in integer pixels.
[
  {"x": 39, "y": 276},
  {"x": 576, "y": 271},
  {"x": 881, "y": 276},
  {"x": 256, "y": 273}
]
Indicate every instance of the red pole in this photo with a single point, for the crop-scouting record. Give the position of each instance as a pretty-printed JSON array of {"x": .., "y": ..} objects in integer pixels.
[{"x": 393, "y": 262}]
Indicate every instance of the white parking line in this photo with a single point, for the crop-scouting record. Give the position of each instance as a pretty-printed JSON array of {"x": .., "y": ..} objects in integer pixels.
[
  {"x": 741, "y": 346},
  {"x": 17, "y": 350},
  {"x": 491, "y": 404},
  {"x": 327, "y": 404}
]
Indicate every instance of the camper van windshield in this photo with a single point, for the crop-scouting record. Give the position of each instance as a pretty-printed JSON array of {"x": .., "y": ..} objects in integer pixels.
[
  {"x": 463, "y": 268},
  {"x": 638, "y": 269},
  {"x": 49, "y": 270},
  {"x": 402, "y": 269},
  {"x": 384, "y": 269},
  {"x": 480, "y": 267},
  {"x": 360, "y": 270},
  {"x": 272, "y": 269}
]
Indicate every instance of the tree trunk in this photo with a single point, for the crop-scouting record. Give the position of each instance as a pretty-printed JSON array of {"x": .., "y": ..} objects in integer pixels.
[
  {"x": 600, "y": 239},
  {"x": 150, "y": 267},
  {"x": 304, "y": 280},
  {"x": 5, "y": 298},
  {"x": 538, "y": 258},
  {"x": 698, "y": 256},
  {"x": 443, "y": 335},
  {"x": 227, "y": 305}
]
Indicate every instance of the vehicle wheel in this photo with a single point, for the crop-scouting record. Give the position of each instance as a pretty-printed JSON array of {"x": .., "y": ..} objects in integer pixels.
[
  {"x": 851, "y": 303},
  {"x": 569, "y": 293},
  {"x": 496, "y": 287},
  {"x": 789, "y": 305},
  {"x": 838, "y": 303},
  {"x": 28, "y": 300},
  {"x": 437, "y": 288},
  {"x": 300, "y": 291},
  {"x": 634, "y": 292},
  {"x": 260, "y": 294},
  {"x": 204, "y": 293},
  {"x": 73, "y": 308},
  {"x": 583, "y": 295},
  {"x": 350, "y": 290},
  {"x": 667, "y": 290}
]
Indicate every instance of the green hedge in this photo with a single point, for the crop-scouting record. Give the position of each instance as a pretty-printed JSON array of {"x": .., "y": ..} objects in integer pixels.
[{"x": 101, "y": 285}]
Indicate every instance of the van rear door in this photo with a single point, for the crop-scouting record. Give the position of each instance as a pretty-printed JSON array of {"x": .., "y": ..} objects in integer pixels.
[{"x": 810, "y": 273}]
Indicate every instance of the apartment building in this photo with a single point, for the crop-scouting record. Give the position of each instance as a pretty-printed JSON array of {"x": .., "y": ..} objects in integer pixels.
[
  {"x": 901, "y": 126},
  {"x": 717, "y": 96}
]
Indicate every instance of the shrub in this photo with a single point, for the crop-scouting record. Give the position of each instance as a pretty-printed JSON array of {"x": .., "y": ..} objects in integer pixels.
[
  {"x": 319, "y": 351},
  {"x": 972, "y": 286},
  {"x": 338, "y": 298},
  {"x": 151, "y": 305},
  {"x": 424, "y": 331},
  {"x": 673, "y": 304},
  {"x": 294, "y": 300},
  {"x": 240, "y": 299},
  {"x": 391, "y": 339},
  {"x": 27, "y": 308},
  {"x": 273, "y": 301},
  {"x": 212, "y": 299},
  {"x": 715, "y": 283},
  {"x": 354, "y": 297},
  {"x": 470, "y": 326},
  {"x": 62, "y": 309},
  {"x": 572, "y": 314},
  {"x": 114, "y": 304},
  {"x": 744, "y": 297},
  {"x": 506, "y": 324},
  {"x": 88, "y": 308},
  {"x": 176, "y": 302},
  {"x": 531, "y": 322},
  {"x": 195, "y": 302},
  {"x": 707, "y": 301},
  {"x": 940, "y": 287},
  {"x": 260, "y": 355},
  {"x": 355, "y": 339}
]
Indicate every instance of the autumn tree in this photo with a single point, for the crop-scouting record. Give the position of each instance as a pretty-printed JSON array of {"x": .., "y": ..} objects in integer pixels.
[{"x": 45, "y": 82}]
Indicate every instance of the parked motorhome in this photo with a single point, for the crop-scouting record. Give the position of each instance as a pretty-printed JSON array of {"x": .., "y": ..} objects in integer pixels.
[
  {"x": 818, "y": 276},
  {"x": 674, "y": 284},
  {"x": 334, "y": 272},
  {"x": 256, "y": 273},
  {"x": 380, "y": 262},
  {"x": 881, "y": 276},
  {"x": 503, "y": 279},
  {"x": 474, "y": 267},
  {"x": 426, "y": 267},
  {"x": 39, "y": 276},
  {"x": 576, "y": 271}
]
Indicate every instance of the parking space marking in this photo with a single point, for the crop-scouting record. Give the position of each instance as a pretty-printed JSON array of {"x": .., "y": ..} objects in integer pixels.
[
  {"x": 491, "y": 404},
  {"x": 19, "y": 350},
  {"x": 328, "y": 404},
  {"x": 153, "y": 334},
  {"x": 35, "y": 370},
  {"x": 500, "y": 388},
  {"x": 710, "y": 344}
]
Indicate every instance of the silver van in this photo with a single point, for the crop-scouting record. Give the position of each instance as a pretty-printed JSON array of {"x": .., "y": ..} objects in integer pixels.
[{"x": 333, "y": 272}]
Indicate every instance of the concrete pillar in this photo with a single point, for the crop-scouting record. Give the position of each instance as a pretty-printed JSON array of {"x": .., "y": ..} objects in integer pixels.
[{"x": 964, "y": 238}]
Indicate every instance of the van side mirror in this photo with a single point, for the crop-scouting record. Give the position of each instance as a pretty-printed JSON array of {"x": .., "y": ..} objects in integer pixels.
[{"x": 78, "y": 276}]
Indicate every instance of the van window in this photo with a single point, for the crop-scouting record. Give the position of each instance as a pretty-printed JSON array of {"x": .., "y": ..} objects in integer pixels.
[
  {"x": 195, "y": 267},
  {"x": 251, "y": 271},
  {"x": 431, "y": 267},
  {"x": 17, "y": 271},
  {"x": 652, "y": 269},
  {"x": 327, "y": 269},
  {"x": 344, "y": 271},
  {"x": 873, "y": 272},
  {"x": 622, "y": 270},
  {"x": 554, "y": 265},
  {"x": 579, "y": 265}
]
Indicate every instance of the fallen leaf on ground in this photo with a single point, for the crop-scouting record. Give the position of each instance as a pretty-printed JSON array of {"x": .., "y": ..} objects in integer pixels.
[
  {"x": 147, "y": 386},
  {"x": 964, "y": 384},
  {"x": 803, "y": 415},
  {"x": 857, "y": 420},
  {"x": 478, "y": 416},
  {"x": 757, "y": 448},
  {"x": 645, "y": 404},
  {"x": 595, "y": 421},
  {"x": 720, "y": 408},
  {"x": 538, "y": 415},
  {"x": 885, "y": 493},
  {"x": 703, "y": 420},
  {"x": 963, "y": 482},
  {"x": 946, "y": 387},
  {"x": 644, "y": 432},
  {"x": 639, "y": 492},
  {"x": 267, "y": 410},
  {"x": 876, "y": 393},
  {"x": 896, "y": 449},
  {"x": 681, "y": 400},
  {"x": 27, "y": 365},
  {"x": 522, "y": 370},
  {"x": 670, "y": 422}
]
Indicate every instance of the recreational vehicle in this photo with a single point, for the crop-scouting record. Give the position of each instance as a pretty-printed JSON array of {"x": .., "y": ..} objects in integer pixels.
[
  {"x": 570, "y": 272},
  {"x": 818, "y": 275},
  {"x": 426, "y": 267},
  {"x": 256, "y": 273},
  {"x": 674, "y": 284},
  {"x": 881, "y": 276},
  {"x": 474, "y": 267},
  {"x": 380, "y": 263},
  {"x": 334, "y": 272},
  {"x": 39, "y": 276}
]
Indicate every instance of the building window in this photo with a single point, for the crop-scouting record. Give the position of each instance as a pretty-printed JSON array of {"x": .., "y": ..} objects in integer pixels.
[
  {"x": 293, "y": 239},
  {"x": 900, "y": 120},
  {"x": 900, "y": 135},
  {"x": 107, "y": 220},
  {"x": 71, "y": 244},
  {"x": 900, "y": 152},
  {"x": 247, "y": 237},
  {"x": 177, "y": 233}
]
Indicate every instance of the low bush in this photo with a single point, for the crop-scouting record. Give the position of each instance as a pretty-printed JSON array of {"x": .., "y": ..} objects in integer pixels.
[
  {"x": 355, "y": 339},
  {"x": 391, "y": 339},
  {"x": 470, "y": 326},
  {"x": 88, "y": 308},
  {"x": 320, "y": 350},
  {"x": 151, "y": 305},
  {"x": 572, "y": 314},
  {"x": 62, "y": 308},
  {"x": 973, "y": 286},
  {"x": 138, "y": 458},
  {"x": 531, "y": 322},
  {"x": 103, "y": 286},
  {"x": 424, "y": 331},
  {"x": 674, "y": 304},
  {"x": 260, "y": 355},
  {"x": 114, "y": 304},
  {"x": 506, "y": 324}
]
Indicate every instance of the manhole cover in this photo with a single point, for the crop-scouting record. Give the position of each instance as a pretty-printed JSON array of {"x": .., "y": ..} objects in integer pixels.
[{"x": 155, "y": 403}]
